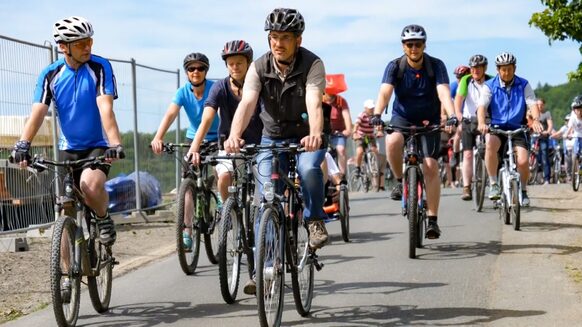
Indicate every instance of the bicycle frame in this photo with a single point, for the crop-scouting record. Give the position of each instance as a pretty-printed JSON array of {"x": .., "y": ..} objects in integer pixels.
[{"x": 508, "y": 171}]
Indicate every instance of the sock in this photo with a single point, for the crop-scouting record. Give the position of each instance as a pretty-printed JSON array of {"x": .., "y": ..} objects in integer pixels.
[
  {"x": 432, "y": 218},
  {"x": 399, "y": 180},
  {"x": 493, "y": 179}
]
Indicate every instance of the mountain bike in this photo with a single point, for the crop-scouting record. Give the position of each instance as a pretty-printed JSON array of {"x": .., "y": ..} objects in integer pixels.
[
  {"x": 510, "y": 202},
  {"x": 558, "y": 174},
  {"x": 534, "y": 165},
  {"x": 576, "y": 170},
  {"x": 283, "y": 244},
  {"x": 413, "y": 194},
  {"x": 369, "y": 176},
  {"x": 343, "y": 212},
  {"x": 480, "y": 177},
  {"x": 237, "y": 222},
  {"x": 198, "y": 212},
  {"x": 76, "y": 251}
]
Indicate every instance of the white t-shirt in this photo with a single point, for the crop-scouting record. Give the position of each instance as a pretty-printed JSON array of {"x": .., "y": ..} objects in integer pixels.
[
  {"x": 332, "y": 168},
  {"x": 576, "y": 124},
  {"x": 568, "y": 143},
  {"x": 474, "y": 93}
]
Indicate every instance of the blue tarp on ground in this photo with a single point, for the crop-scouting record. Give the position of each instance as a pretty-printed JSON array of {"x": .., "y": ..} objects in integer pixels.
[{"x": 121, "y": 190}]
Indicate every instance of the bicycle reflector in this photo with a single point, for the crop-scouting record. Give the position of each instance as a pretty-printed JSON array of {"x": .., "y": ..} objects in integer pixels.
[{"x": 268, "y": 191}]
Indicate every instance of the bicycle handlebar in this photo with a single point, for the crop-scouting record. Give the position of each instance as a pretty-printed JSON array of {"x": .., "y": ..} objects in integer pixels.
[
  {"x": 40, "y": 162},
  {"x": 508, "y": 133},
  {"x": 413, "y": 130}
]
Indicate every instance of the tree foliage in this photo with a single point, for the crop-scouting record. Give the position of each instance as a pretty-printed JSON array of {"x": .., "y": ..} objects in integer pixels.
[{"x": 561, "y": 20}]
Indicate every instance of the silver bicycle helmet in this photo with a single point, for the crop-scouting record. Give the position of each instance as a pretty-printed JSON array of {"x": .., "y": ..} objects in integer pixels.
[
  {"x": 237, "y": 47},
  {"x": 72, "y": 29},
  {"x": 505, "y": 58},
  {"x": 196, "y": 56},
  {"x": 285, "y": 20},
  {"x": 413, "y": 32},
  {"x": 577, "y": 102},
  {"x": 477, "y": 60}
]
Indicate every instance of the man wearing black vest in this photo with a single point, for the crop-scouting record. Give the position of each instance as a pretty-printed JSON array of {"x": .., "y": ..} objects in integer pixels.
[
  {"x": 290, "y": 81},
  {"x": 420, "y": 83}
]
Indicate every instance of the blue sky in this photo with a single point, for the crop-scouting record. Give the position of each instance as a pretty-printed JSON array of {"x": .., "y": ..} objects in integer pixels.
[{"x": 357, "y": 38}]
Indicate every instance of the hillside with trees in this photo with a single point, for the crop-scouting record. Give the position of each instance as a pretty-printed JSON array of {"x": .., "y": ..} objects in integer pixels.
[{"x": 558, "y": 99}]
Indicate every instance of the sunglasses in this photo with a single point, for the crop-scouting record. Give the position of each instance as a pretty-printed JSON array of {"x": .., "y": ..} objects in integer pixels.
[
  {"x": 192, "y": 69},
  {"x": 82, "y": 44},
  {"x": 417, "y": 45}
]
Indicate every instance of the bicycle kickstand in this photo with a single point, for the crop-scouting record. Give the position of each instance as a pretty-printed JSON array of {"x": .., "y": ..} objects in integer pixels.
[{"x": 318, "y": 265}]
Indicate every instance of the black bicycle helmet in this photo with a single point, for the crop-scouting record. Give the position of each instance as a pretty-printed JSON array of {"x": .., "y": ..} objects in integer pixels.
[
  {"x": 505, "y": 58},
  {"x": 577, "y": 102},
  {"x": 477, "y": 60},
  {"x": 196, "y": 56},
  {"x": 237, "y": 47},
  {"x": 413, "y": 32},
  {"x": 285, "y": 20}
]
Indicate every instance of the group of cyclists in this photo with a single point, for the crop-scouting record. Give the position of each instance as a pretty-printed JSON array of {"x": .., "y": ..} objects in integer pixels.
[{"x": 279, "y": 98}]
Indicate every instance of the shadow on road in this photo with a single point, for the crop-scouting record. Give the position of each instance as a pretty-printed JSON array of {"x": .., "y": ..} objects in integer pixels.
[
  {"x": 378, "y": 315},
  {"x": 540, "y": 249},
  {"x": 459, "y": 250},
  {"x": 546, "y": 226},
  {"x": 325, "y": 287}
]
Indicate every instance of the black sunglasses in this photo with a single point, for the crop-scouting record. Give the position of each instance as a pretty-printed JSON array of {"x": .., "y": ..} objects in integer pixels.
[
  {"x": 196, "y": 68},
  {"x": 418, "y": 45}
]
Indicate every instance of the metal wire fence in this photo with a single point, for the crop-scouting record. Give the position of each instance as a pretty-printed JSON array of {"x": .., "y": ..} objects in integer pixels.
[{"x": 144, "y": 92}]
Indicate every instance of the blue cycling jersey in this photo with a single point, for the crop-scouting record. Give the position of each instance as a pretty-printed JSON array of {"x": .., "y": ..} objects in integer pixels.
[
  {"x": 74, "y": 94},
  {"x": 194, "y": 107}
]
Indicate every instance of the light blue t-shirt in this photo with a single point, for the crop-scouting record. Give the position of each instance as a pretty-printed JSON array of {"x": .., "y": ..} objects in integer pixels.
[{"x": 185, "y": 98}]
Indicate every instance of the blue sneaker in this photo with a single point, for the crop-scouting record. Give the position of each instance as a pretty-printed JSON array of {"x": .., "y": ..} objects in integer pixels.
[{"x": 187, "y": 241}]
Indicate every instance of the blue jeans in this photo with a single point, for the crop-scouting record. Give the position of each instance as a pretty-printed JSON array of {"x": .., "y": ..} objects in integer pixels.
[{"x": 544, "y": 157}]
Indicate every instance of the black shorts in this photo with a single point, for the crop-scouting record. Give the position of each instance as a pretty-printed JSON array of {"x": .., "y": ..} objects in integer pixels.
[
  {"x": 429, "y": 145},
  {"x": 520, "y": 140},
  {"x": 469, "y": 133},
  {"x": 82, "y": 154}
]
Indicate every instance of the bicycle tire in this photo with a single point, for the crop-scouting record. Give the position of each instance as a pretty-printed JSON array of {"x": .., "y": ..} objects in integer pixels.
[
  {"x": 575, "y": 173},
  {"x": 66, "y": 312},
  {"x": 301, "y": 281},
  {"x": 421, "y": 226},
  {"x": 344, "y": 213},
  {"x": 557, "y": 167},
  {"x": 533, "y": 168},
  {"x": 100, "y": 285},
  {"x": 374, "y": 171},
  {"x": 515, "y": 205},
  {"x": 188, "y": 259},
  {"x": 229, "y": 250},
  {"x": 504, "y": 205},
  {"x": 253, "y": 212},
  {"x": 211, "y": 237},
  {"x": 270, "y": 269},
  {"x": 480, "y": 183},
  {"x": 356, "y": 184},
  {"x": 412, "y": 211}
]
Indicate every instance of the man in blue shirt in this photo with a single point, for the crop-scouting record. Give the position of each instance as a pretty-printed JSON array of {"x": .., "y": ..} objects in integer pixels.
[
  {"x": 421, "y": 84},
  {"x": 82, "y": 87}
]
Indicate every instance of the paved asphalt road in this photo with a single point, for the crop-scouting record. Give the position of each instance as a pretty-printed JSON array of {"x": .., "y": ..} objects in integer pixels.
[{"x": 479, "y": 273}]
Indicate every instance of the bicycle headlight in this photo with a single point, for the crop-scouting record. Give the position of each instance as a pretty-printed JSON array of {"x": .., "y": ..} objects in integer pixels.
[{"x": 268, "y": 191}]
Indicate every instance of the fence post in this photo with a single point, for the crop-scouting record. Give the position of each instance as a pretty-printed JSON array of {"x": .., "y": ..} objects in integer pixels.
[
  {"x": 135, "y": 136},
  {"x": 54, "y": 54},
  {"x": 178, "y": 172}
]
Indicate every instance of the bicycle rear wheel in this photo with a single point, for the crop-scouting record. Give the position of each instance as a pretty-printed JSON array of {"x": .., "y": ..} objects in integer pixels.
[
  {"x": 575, "y": 172},
  {"x": 480, "y": 183},
  {"x": 229, "y": 251},
  {"x": 356, "y": 183},
  {"x": 212, "y": 236},
  {"x": 100, "y": 285},
  {"x": 188, "y": 257},
  {"x": 515, "y": 205},
  {"x": 533, "y": 168},
  {"x": 504, "y": 205},
  {"x": 65, "y": 286},
  {"x": 270, "y": 268},
  {"x": 412, "y": 211},
  {"x": 374, "y": 171},
  {"x": 302, "y": 272},
  {"x": 344, "y": 213}
]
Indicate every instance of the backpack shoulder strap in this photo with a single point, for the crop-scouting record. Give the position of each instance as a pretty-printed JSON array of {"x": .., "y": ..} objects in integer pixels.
[
  {"x": 428, "y": 65},
  {"x": 401, "y": 67}
]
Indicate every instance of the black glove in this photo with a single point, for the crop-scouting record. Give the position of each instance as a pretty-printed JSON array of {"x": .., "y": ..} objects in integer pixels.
[
  {"x": 115, "y": 152},
  {"x": 376, "y": 120},
  {"x": 453, "y": 121},
  {"x": 20, "y": 152}
]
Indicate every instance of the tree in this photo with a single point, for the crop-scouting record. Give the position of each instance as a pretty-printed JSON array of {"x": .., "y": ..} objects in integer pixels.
[{"x": 559, "y": 21}]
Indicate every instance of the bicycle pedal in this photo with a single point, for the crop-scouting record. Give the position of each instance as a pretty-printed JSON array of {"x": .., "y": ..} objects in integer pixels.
[{"x": 318, "y": 266}]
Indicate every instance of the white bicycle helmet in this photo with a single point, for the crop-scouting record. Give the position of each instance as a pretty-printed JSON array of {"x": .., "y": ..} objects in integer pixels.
[
  {"x": 72, "y": 29},
  {"x": 505, "y": 58},
  {"x": 577, "y": 102},
  {"x": 369, "y": 104},
  {"x": 413, "y": 32}
]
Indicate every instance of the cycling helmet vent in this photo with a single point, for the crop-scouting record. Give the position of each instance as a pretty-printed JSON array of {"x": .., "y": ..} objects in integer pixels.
[
  {"x": 577, "y": 102},
  {"x": 413, "y": 32},
  {"x": 477, "y": 60},
  {"x": 461, "y": 71},
  {"x": 285, "y": 20},
  {"x": 72, "y": 29},
  {"x": 237, "y": 47},
  {"x": 196, "y": 56},
  {"x": 505, "y": 58}
]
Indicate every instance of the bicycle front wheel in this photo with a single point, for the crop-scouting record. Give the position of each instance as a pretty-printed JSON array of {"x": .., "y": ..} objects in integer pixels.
[
  {"x": 302, "y": 272},
  {"x": 356, "y": 183},
  {"x": 344, "y": 213},
  {"x": 270, "y": 269},
  {"x": 212, "y": 236},
  {"x": 374, "y": 172},
  {"x": 100, "y": 285},
  {"x": 188, "y": 227},
  {"x": 533, "y": 168},
  {"x": 575, "y": 172},
  {"x": 515, "y": 205},
  {"x": 229, "y": 251},
  {"x": 480, "y": 183},
  {"x": 65, "y": 286},
  {"x": 412, "y": 212}
]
